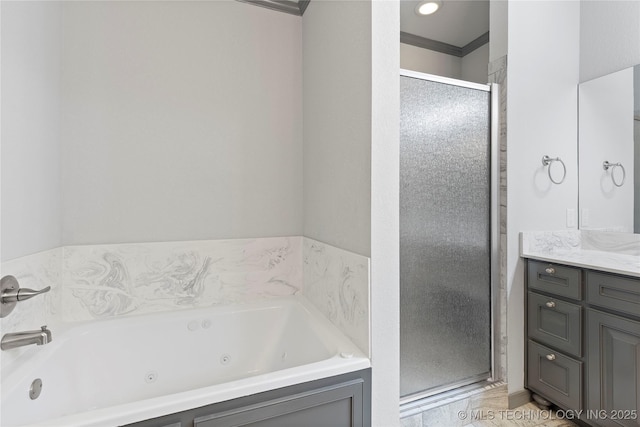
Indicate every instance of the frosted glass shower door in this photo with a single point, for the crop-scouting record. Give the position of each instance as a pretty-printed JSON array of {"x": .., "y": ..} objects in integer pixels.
[{"x": 445, "y": 236}]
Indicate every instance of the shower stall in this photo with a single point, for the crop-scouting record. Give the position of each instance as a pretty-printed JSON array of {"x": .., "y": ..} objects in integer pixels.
[{"x": 448, "y": 232}]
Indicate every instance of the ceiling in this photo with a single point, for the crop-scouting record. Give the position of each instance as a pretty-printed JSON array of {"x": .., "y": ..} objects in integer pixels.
[{"x": 458, "y": 22}]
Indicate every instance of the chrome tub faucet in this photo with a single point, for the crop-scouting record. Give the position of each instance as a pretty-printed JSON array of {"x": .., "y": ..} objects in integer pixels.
[
  {"x": 11, "y": 293},
  {"x": 20, "y": 339}
]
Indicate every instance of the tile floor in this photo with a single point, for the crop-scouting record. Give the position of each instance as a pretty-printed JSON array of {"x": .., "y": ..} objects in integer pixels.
[{"x": 484, "y": 407}]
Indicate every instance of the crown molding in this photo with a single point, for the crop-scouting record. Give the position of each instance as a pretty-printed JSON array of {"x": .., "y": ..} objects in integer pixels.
[
  {"x": 441, "y": 47},
  {"x": 474, "y": 44},
  {"x": 292, "y": 7},
  {"x": 430, "y": 44}
]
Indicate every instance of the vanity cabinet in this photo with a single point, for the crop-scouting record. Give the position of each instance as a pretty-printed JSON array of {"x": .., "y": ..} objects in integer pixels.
[
  {"x": 583, "y": 341},
  {"x": 614, "y": 366},
  {"x": 554, "y": 333},
  {"x": 613, "y": 321}
]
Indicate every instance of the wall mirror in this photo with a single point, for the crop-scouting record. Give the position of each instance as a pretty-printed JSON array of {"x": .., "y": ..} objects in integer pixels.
[{"x": 609, "y": 152}]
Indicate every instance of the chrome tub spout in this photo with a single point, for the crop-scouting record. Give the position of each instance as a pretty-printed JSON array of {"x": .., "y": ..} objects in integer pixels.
[{"x": 20, "y": 339}]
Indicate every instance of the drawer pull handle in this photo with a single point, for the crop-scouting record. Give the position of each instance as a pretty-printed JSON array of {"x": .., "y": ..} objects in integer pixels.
[
  {"x": 550, "y": 304},
  {"x": 550, "y": 270},
  {"x": 551, "y": 356}
]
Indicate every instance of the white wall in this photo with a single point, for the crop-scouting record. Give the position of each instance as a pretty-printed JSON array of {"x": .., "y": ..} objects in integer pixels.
[
  {"x": 606, "y": 133},
  {"x": 609, "y": 36},
  {"x": 472, "y": 67},
  {"x": 31, "y": 192},
  {"x": 181, "y": 120},
  {"x": 542, "y": 111},
  {"x": 337, "y": 124},
  {"x": 385, "y": 211}
]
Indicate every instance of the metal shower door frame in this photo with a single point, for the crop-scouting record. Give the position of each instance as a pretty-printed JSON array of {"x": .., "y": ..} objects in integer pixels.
[{"x": 494, "y": 142}]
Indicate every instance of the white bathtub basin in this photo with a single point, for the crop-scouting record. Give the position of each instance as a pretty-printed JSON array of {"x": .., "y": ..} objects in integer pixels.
[{"x": 128, "y": 369}]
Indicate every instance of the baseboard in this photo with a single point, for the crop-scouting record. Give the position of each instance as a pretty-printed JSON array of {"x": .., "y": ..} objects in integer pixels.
[{"x": 519, "y": 398}]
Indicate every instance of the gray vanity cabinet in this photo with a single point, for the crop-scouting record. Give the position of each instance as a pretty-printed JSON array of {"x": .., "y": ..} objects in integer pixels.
[
  {"x": 613, "y": 348},
  {"x": 583, "y": 341},
  {"x": 554, "y": 334},
  {"x": 614, "y": 367}
]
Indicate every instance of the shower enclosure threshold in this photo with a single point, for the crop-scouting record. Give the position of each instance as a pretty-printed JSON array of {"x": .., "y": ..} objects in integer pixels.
[{"x": 446, "y": 394}]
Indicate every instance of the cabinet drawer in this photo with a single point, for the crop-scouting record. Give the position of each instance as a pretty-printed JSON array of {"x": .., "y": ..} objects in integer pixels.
[
  {"x": 555, "y": 376},
  {"x": 618, "y": 293},
  {"x": 557, "y": 279},
  {"x": 555, "y": 323}
]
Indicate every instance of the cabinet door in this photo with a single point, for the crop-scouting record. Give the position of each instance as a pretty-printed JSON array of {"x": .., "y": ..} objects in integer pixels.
[
  {"x": 614, "y": 368},
  {"x": 337, "y": 406}
]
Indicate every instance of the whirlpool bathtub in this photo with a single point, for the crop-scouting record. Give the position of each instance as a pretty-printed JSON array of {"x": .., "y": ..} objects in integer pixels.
[{"x": 123, "y": 370}]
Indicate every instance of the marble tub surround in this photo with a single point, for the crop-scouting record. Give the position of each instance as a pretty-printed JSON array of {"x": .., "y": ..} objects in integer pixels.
[
  {"x": 337, "y": 283},
  {"x": 92, "y": 282},
  {"x": 110, "y": 280},
  {"x": 602, "y": 250}
]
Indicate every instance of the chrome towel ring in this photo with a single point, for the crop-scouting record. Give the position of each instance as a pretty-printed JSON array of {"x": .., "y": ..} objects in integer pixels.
[
  {"x": 606, "y": 165},
  {"x": 547, "y": 161}
]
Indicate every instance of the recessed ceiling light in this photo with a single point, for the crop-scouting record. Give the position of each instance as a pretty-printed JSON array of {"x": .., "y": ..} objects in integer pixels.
[{"x": 428, "y": 7}]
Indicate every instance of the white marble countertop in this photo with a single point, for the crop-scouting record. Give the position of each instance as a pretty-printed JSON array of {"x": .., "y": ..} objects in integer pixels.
[{"x": 598, "y": 250}]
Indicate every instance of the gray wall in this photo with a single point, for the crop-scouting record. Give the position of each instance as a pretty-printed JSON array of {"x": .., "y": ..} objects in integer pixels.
[
  {"x": 149, "y": 121},
  {"x": 337, "y": 124},
  {"x": 181, "y": 120},
  {"x": 31, "y": 192},
  {"x": 609, "y": 37}
]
